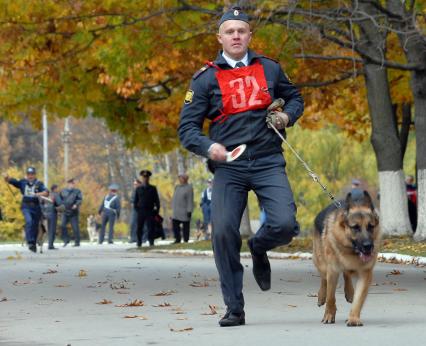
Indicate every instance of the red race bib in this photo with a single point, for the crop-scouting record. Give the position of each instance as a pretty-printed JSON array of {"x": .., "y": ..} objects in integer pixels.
[{"x": 242, "y": 89}]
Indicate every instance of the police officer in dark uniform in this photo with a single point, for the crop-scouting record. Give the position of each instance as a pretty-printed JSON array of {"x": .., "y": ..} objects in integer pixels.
[
  {"x": 110, "y": 211},
  {"x": 31, "y": 189},
  {"x": 70, "y": 199},
  {"x": 147, "y": 205},
  {"x": 234, "y": 92}
]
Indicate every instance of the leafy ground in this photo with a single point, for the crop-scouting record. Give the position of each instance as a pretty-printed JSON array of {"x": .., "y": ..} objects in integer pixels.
[{"x": 403, "y": 245}]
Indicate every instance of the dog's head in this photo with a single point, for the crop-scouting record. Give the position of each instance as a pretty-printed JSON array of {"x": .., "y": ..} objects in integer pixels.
[{"x": 361, "y": 225}]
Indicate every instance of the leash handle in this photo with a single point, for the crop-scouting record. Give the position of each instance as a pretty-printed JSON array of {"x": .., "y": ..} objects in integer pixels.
[{"x": 311, "y": 173}]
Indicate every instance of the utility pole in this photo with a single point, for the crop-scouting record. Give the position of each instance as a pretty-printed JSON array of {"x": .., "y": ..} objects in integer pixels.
[
  {"x": 45, "y": 148},
  {"x": 66, "y": 138}
]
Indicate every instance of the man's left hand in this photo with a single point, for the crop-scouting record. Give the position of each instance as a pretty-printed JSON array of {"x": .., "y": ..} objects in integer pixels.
[
  {"x": 278, "y": 119},
  {"x": 189, "y": 214}
]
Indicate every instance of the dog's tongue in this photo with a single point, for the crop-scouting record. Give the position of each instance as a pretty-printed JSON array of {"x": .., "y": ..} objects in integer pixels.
[{"x": 364, "y": 257}]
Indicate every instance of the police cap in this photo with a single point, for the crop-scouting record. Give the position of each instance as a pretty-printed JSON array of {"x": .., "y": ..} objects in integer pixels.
[
  {"x": 113, "y": 186},
  {"x": 145, "y": 173},
  {"x": 235, "y": 13},
  {"x": 31, "y": 170}
]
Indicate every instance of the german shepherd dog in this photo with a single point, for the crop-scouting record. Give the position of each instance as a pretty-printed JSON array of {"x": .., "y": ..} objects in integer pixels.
[{"x": 346, "y": 240}]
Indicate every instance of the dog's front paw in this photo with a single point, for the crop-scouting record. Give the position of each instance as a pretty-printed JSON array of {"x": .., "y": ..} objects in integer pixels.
[
  {"x": 321, "y": 300},
  {"x": 329, "y": 318},
  {"x": 354, "y": 322}
]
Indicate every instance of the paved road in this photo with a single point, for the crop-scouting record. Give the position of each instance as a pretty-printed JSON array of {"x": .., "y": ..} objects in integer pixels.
[{"x": 46, "y": 302}]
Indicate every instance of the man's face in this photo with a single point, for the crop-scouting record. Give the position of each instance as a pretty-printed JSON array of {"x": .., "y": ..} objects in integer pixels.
[
  {"x": 71, "y": 185},
  {"x": 145, "y": 179},
  {"x": 234, "y": 36},
  {"x": 31, "y": 176}
]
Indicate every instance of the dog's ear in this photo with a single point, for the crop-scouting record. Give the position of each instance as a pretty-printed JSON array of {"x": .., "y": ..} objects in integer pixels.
[
  {"x": 348, "y": 202},
  {"x": 368, "y": 201}
]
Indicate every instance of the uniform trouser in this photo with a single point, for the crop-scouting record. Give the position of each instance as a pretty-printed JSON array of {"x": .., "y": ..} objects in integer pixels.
[
  {"x": 145, "y": 218},
  {"x": 32, "y": 216},
  {"x": 185, "y": 230},
  {"x": 52, "y": 221},
  {"x": 133, "y": 225},
  {"x": 73, "y": 219},
  {"x": 107, "y": 218},
  {"x": 232, "y": 181}
]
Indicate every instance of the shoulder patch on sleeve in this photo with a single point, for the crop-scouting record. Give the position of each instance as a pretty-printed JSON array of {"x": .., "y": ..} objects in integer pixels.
[
  {"x": 200, "y": 71},
  {"x": 188, "y": 97}
]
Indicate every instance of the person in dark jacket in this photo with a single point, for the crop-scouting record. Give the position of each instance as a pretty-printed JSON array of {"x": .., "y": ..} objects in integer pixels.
[
  {"x": 147, "y": 205},
  {"x": 31, "y": 189},
  {"x": 206, "y": 204},
  {"x": 49, "y": 206},
  {"x": 234, "y": 93},
  {"x": 70, "y": 200},
  {"x": 110, "y": 211}
]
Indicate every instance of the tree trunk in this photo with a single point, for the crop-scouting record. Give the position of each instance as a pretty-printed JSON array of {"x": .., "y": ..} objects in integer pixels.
[
  {"x": 413, "y": 43},
  {"x": 384, "y": 137},
  {"x": 245, "y": 228},
  {"x": 420, "y": 234}
]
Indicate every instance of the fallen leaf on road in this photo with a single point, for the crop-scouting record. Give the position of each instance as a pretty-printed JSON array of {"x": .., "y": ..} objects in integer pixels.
[
  {"x": 292, "y": 306},
  {"x": 188, "y": 329},
  {"x": 164, "y": 293},
  {"x": 123, "y": 292},
  {"x": 182, "y": 318},
  {"x": 213, "y": 310},
  {"x": 82, "y": 273},
  {"x": 17, "y": 257},
  {"x": 104, "y": 301},
  {"x": 51, "y": 271},
  {"x": 178, "y": 311},
  {"x": 389, "y": 283},
  {"x": 374, "y": 284},
  {"x": 136, "y": 302},
  {"x": 120, "y": 285},
  {"x": 199, "y": 284},
  {"x": 139, "y": 317},
  {"x": 62, "y": 285},
  {"x": 394, "y": 272},
  {"x": 22, "y": 283},
  {"x": 178, "y": 276},
  {"x": 400, "y": 289},
  {"x": 312, "y": 295},
  {"x": 4, "y": 299},
  {"x": 162, "y": 305}
]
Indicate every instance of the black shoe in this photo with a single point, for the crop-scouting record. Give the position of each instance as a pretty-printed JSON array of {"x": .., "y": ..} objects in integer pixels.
[
  {"x": 66, "y": 243},
  {"x": 76, "y": 245},
  {"x": 176, "y": 242},
  {"x": 232, "y": 319},
  {"x": 32, "y": 247},
  {"x": 52, "y": 248},
  {"x": 110, "y": 242},
  {"x": 261, "y": 268}
]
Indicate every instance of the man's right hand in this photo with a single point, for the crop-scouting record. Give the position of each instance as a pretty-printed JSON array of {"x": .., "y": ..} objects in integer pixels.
[
  {"x": 217, "y": 152},
  {"x": 6, "y": 177}
]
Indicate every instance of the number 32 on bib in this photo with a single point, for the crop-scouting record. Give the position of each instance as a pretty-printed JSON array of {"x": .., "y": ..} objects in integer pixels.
[{"x": 243, "y": 89}]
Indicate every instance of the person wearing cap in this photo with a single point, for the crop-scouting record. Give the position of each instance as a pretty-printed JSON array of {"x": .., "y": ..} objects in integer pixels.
[
  {"x": 70, "y": 200},
  {"x": 205, "y": 205},
  {"x": 182, "y": 206},
  {"x": 110, "y": 211},
  {"x": 233, "y": 93},
  {"x": 32, "y": 190},
  {"x": 356, "y": 191},
  {"x": 147, "y": 205}
]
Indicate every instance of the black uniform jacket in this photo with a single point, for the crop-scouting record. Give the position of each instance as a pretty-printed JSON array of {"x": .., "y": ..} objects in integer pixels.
[
  {"x": 146, "y": 199},
  {"x": 204, "y": 100}
]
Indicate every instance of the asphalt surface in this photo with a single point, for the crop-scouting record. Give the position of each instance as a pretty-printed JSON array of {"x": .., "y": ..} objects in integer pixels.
[{"x": 51, "y": 299}]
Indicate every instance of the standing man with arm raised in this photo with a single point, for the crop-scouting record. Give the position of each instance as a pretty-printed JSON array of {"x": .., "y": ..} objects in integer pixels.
[
  {"x": 234, "y": 92},
  {"x": 31, "y": 189}
]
